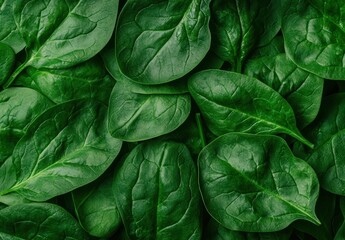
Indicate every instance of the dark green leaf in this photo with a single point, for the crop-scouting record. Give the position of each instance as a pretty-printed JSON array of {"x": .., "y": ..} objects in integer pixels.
[
  {"x": 215, "y": 231},
  {"x": 161, "y": 41},
  {"x": 157, "y": 194},
  {"x": 96, "y": 209},
  {"x": 38, "y": 221},
  {"x": 238, "y": 26},
  {"x": 313, "y": 32},
  {"x": 232, "y": 102},
  {"x": 9, "y": 33},
  {"x": 61, "y": 33},
  {"x": 328, "y": 133},
  {"x": 86, "y": 80},
  {"x": 254, "y": 183},
  {"x": 7, "y": 58},
  {"x": 301, "y": 89},
  {"x": 135, "y": 116},
  {"x": 64, "y": 148},
  {"x": 18, "y": 108}
]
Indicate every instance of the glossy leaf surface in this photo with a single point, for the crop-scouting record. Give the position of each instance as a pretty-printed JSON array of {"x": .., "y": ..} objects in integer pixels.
[
  {"x": 301, "y": 89},
  {"x": 64, "y": 148},
  {"x": 313, "y": 33},
  {"x": 161, "y": 41},
  {"x": 232, "y": 102},
  {"x": 135, "y": 116},
  {"x": 239, "y": 174},
  {"x": 38, "y": 221},
  {"x": 168, "y": 207},
  {"x": 96, "y": 209},
  {"x": 328, "y": 134}
]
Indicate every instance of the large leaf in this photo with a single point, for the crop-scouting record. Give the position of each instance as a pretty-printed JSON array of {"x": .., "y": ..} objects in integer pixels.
[
  {"x": 18, "y": 108},
  {"x": 160, "y": 41},
  {"x": 135, "y": 116},
  {"x": 232, "y": 102},
  {"x": 314, "y": 35},
  {"x": 301, "y": 89},
  {"x": 64, "y": 148},
  {"x": 254, "y": 183},
  {"x": 95, "y": 207},
  {"x": 86, "y": 80},
  {"x": 38, "y": 221},
  {"x": 239, "y": 25},
  {"x": 328, "y": 133},
  {"x": 9, "y": 33},
  {"x": 157, "y": 194}
]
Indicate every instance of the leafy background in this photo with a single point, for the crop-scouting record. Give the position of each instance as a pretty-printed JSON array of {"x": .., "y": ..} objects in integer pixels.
[{"x": 186, "y": 119}]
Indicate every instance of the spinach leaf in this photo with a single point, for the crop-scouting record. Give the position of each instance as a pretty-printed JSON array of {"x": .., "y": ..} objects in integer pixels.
[
  {"x": 232, "y": 102},
  {"x": 9, "y": 33},
  {"x": 18, "y": 108},
  {"x": 61, "y": 33},
  {"x": 135, "y": 116},
  {"x": 86, "y": 80},
  {"x": 95, "y": 207},
  {"x": 301, "y": 89},
  {"x": 273, "y": 48},
  {"x": 238, "y": 26},
  {"x": 239, "y": 174},
  {"x": 161, "y": 41},
  {"x": 39, "y": 221},
  {"x": 327, "y": 131},
  {"x": 313, "y": 33},
  {"x": 168, "y": 207},
  {"x": 64, "y": 148},
  {"x": 7, "y": 59},
  {"x": 323, "y": 231},
  {"x": 341, "y": 231},
  {"x": 110, "y": 61},
  {"x": 215, "y": 231}
]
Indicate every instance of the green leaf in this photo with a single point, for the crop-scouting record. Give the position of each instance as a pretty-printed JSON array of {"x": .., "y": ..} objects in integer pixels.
[
  {"x": 313, "y": 32},
  {"x": 161, "y": 41},
  {"x": 239, "y": 26},
  {"x": 96, "y": 209},
  {"x": 18, "y": 108},
  {"x": 157, "y": 194},
  {"x": 110, "y": 61},
  {"x": 38, "y": 221},
  {"x": 7, "y": 59},
  {"x": 62, "y": 33},
  {"x": 325, "y": 214},
  {"x": 232, "y": 102},
  {"x": 9, "y": 33},
  {"x": 215, "y": 231},
  {"x": 64, "y": 148},
  {"x": 328, "y": 133},
  {"x": 136, "y": 116},
  {"x": 254, "y": 183},
  {"x": 86, "y": 80},
  {"x": 301, "y": 89}
]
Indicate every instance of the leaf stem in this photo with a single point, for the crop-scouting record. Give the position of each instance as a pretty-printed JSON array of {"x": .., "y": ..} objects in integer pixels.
[
  {"x": 200, "y": 129},
  {"x": 14, "y": 75}
]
